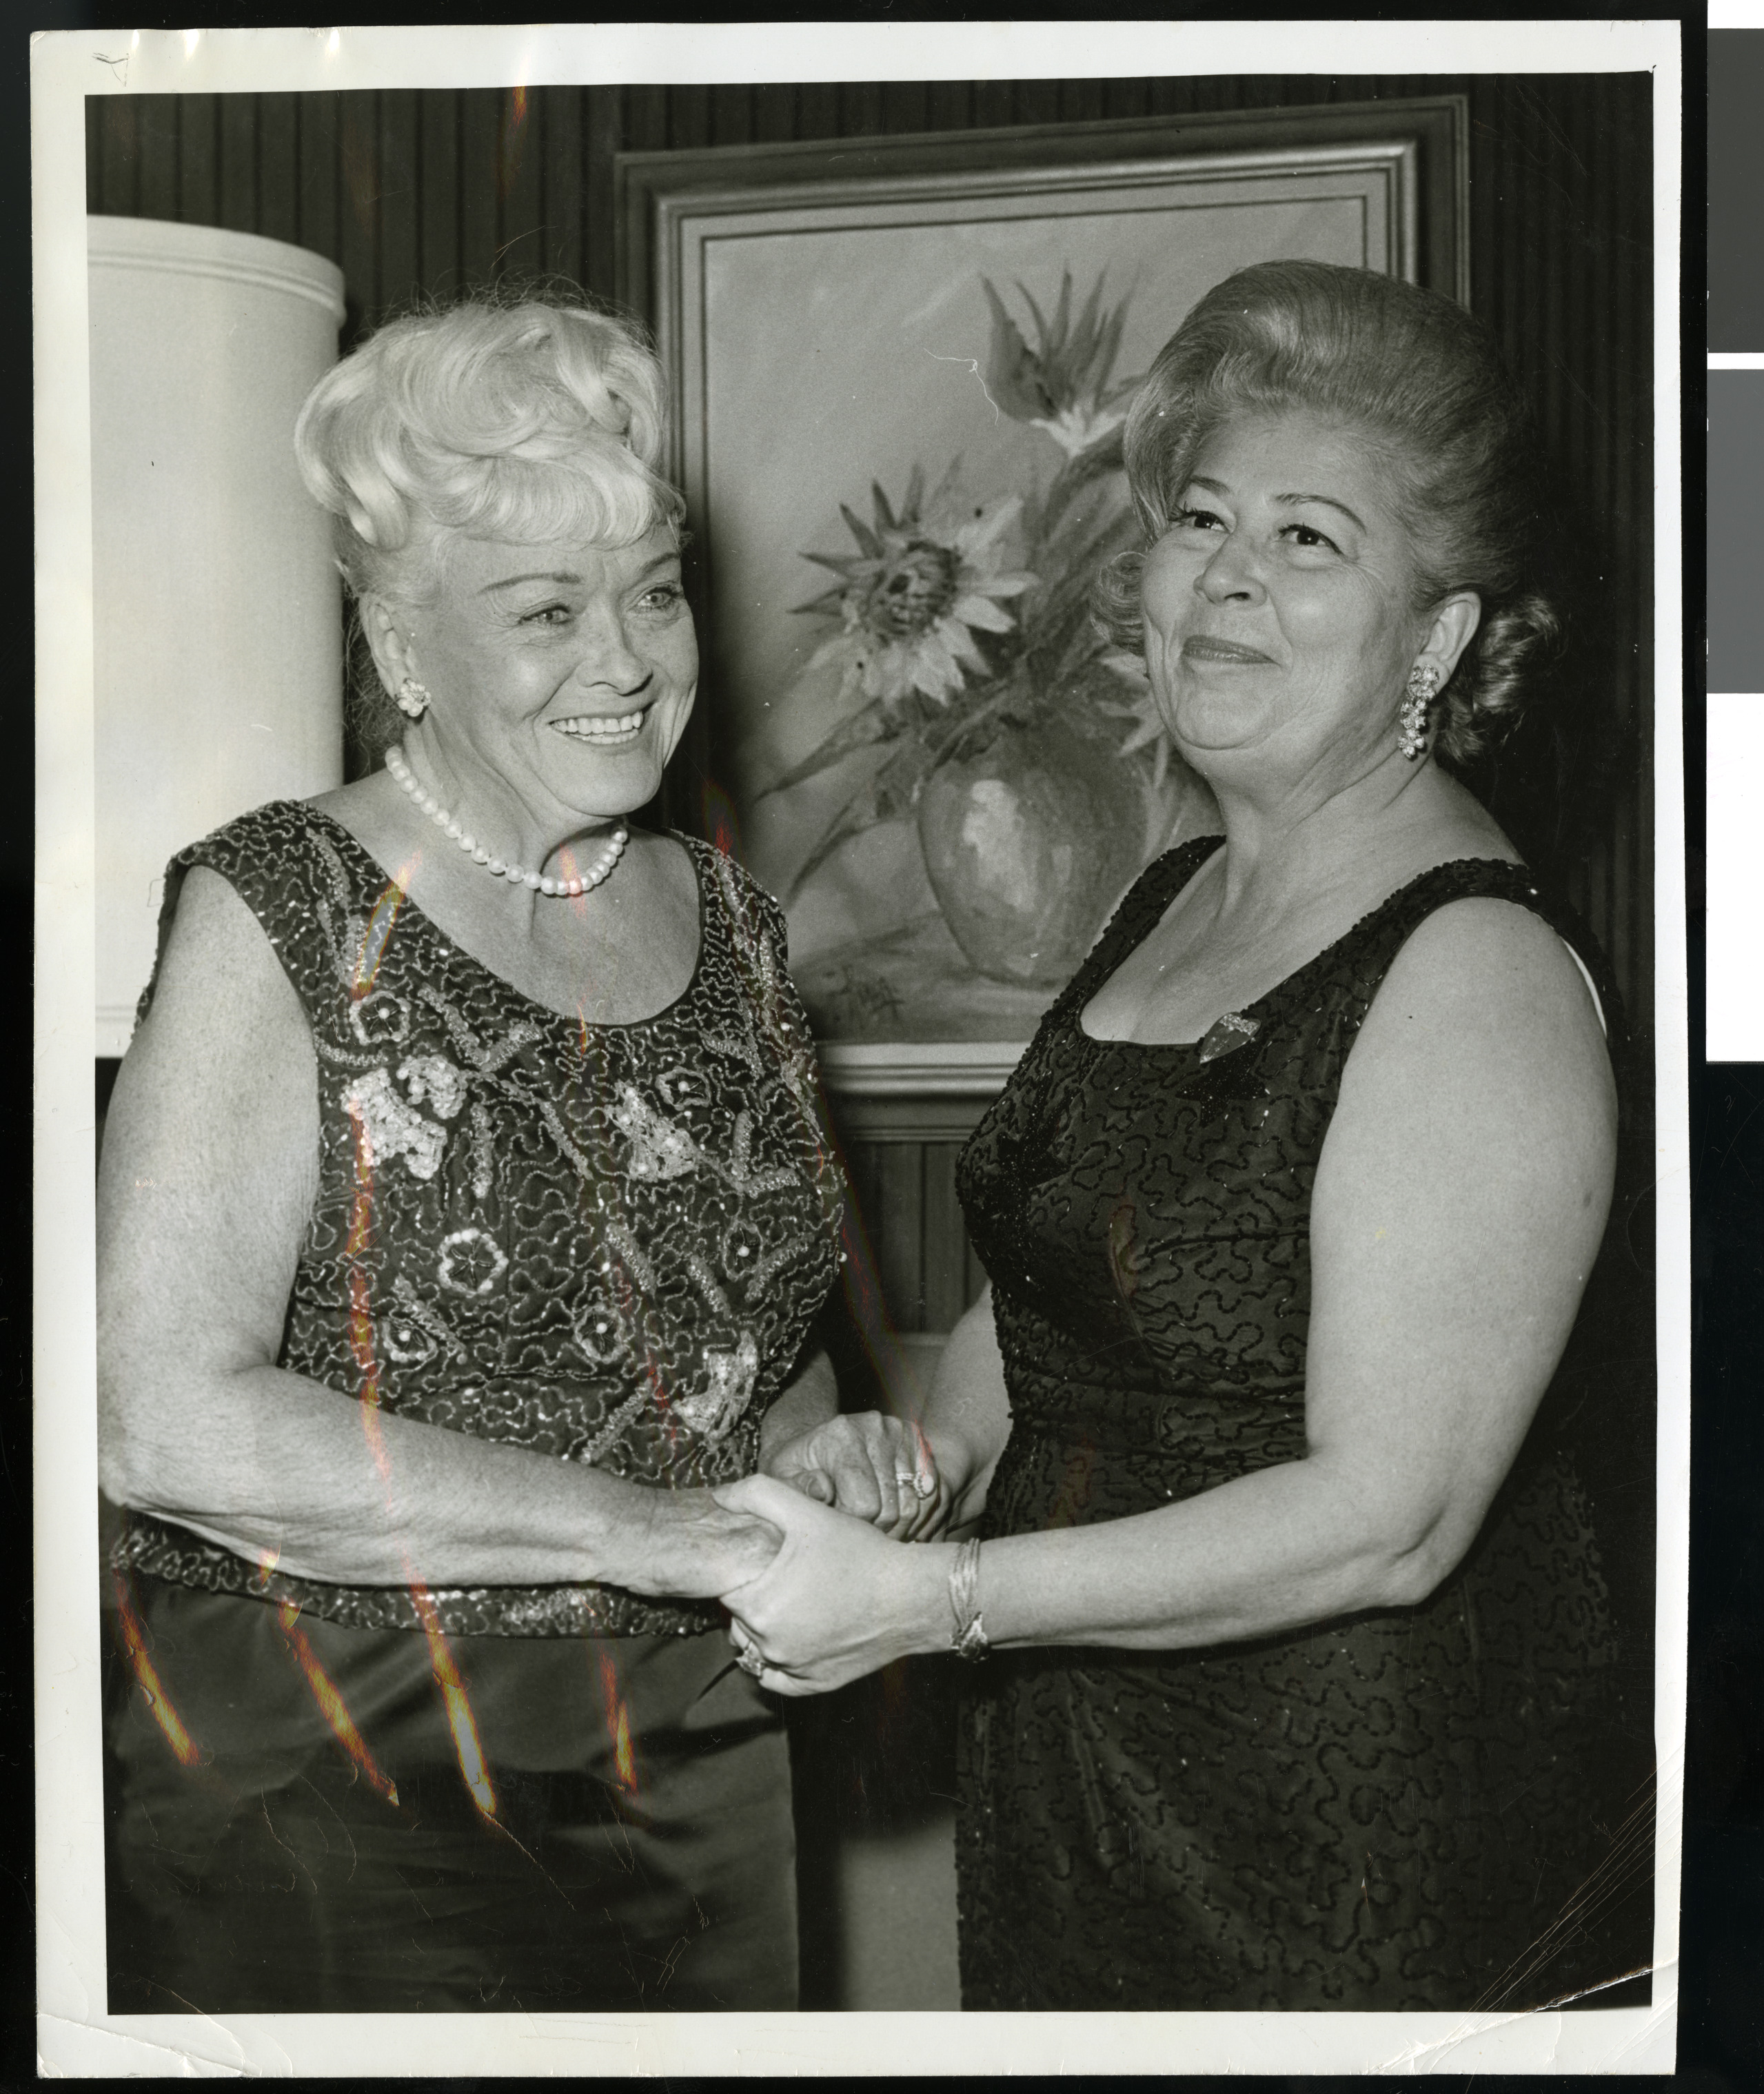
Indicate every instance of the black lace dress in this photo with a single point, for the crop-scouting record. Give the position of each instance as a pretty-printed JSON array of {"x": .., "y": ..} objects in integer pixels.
[{"x": 1418, "y": 1808}]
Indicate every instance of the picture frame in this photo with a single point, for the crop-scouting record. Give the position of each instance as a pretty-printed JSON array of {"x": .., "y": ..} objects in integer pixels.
[{"x": 944, "y": 876}]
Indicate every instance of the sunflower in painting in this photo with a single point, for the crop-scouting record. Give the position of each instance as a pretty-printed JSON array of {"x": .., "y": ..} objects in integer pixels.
[
  {"x": 957, "y": 620},
  {"x": 921, "y": 584}
]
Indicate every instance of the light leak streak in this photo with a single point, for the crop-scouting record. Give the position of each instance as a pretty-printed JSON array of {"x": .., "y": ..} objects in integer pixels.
[
  {"x": 331, "y": 1703},
  {"x": 189, "y": 1752},
  {"x": 460, "y": 1720},
  {"x": 376, "y": 938},
  {"x": 376, "y": 935},
  {"x": 722, "y": 825},
  {"x": 720, "y": 822},
  {"x": 658, "y": 1396},
  {"x": 513, "y": 126},
  {"x": 621, "y": 1299},
  {"x": 621, "y": 1296},
  {"x": 618, "y": 1724},
  {"x": 901, "y": 1396},
  {"x": 624, "y": 1304},
  {"x": 1073, "y": 1495},
  {"x": 863, "y": 1292},
  {"x": 454, "y": 1698}
]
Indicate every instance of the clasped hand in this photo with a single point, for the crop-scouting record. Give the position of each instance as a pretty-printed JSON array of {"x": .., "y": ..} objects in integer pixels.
[
  {"x": 879, "y": 1471},
  {"x": 838, "y": 1494},
  {"x": 837, "y": 1600},
  {"x": 877, "y": 1468}
]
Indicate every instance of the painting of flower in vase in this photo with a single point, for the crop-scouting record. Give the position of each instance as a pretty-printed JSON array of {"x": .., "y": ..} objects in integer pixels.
[{"x": 901, "y": 408}]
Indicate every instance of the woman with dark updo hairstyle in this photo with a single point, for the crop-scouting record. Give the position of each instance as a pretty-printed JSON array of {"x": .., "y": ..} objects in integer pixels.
[{"x": 1306, "y": 1688}]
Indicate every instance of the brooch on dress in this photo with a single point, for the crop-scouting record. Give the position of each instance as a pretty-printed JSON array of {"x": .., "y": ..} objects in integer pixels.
[{"x": 1230, "y": 1032}]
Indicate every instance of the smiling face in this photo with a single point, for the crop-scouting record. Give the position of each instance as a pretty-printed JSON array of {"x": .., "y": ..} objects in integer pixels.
[
  {"x": 1278, "y": 605},
  {"x": 560, "y": 676}
]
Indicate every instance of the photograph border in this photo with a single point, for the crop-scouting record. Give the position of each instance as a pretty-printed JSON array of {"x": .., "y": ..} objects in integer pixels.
[{"x": 76, "y": 2038}]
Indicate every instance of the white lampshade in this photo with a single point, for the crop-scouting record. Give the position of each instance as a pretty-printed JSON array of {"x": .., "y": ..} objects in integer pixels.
[{"x": 216, "y": 617}]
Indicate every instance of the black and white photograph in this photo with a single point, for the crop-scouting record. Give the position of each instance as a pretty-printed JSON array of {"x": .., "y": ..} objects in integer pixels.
[{"x": 880, "y": 890}]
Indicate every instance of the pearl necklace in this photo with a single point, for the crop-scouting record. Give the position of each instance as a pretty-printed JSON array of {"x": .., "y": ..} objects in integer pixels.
[{"x": 516, "y": 875}]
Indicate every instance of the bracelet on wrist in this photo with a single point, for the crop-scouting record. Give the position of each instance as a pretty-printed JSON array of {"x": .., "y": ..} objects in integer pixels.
[{"x": 969, "y": 1640}]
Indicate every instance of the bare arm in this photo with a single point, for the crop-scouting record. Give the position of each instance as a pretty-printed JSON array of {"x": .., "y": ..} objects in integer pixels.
[
  {"x": 208, "y": 1177},
  {"x": 1459, "y": 1203}
]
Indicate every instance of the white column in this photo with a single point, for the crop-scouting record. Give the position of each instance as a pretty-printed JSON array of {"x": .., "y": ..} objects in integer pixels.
[{"x": 216, "y": 615}]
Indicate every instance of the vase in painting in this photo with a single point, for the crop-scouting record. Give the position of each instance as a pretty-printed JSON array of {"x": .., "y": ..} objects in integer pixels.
[{"x": 1029, "y": 843}]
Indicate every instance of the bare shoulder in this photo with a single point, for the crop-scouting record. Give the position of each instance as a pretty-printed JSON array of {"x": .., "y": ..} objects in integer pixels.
[
  {"x": 358, "y": 800},
  {"x": 219, "y": 969},
  {"x": 1481, "y": 948},
  {"x": 1485, "y": 1004},
  {"x": 216, "y": 929},
  {"x": 211, "y": 1142}
]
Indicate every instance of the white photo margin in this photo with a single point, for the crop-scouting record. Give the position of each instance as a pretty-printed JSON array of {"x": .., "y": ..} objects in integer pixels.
[{"x": 76, "y": 2037}]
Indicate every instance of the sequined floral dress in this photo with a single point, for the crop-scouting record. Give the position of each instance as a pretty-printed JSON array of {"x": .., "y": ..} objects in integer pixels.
[
  {"x": 1402, "y": 1809},
  {"x": 604, "y": 1243}
]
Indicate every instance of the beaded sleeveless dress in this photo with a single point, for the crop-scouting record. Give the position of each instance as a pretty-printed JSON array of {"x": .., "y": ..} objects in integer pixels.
[
  {"x": 1400, "y": 1809},
  {"x": 604, "y": 1243}
]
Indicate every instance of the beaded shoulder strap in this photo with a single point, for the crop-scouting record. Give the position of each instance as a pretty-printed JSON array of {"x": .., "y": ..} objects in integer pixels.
[
  {"x": 1135, "y": 915},
  {"x": 289, "y": 865},
  {"x": 1373, "y": 943}
]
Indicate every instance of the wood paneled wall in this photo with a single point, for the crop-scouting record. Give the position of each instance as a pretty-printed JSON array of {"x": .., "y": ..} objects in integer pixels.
[
  {"x": 905, "y": 1188},
  {"x": 414, "y": 193}
]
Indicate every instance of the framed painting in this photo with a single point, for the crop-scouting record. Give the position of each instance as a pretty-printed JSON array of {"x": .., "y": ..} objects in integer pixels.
[{"x": 900, "y": 370}]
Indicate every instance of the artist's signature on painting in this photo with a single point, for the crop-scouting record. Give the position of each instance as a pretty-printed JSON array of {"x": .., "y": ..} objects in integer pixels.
[{"x": 860, "y": 999}]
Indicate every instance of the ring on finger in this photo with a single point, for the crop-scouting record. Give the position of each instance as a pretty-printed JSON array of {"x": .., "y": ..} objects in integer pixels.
[{"x": 750, "y": 1660}]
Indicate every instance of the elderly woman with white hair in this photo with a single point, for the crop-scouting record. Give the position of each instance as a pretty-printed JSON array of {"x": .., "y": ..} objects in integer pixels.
[{"x": 465, "y": 1211}]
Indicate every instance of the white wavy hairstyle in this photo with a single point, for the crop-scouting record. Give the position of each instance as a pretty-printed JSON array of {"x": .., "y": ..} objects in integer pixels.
[{"x": 528, "y": 418}]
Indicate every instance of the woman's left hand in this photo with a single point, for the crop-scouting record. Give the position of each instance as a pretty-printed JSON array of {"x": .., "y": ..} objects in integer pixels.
[
  {"x": 877, "y": 1468},
  {"x": 836, "y": 1601}
]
